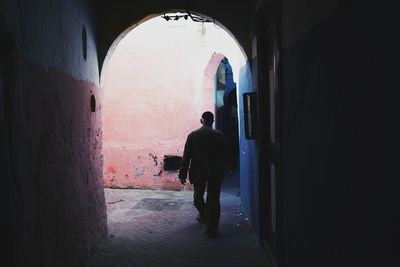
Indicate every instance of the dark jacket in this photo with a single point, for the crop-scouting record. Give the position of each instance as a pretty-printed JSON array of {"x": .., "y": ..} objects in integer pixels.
[{"x": 205, "y": 156}]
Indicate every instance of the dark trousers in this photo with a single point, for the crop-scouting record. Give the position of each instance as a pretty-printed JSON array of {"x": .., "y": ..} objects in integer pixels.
[{"x": 210, "y": 210}]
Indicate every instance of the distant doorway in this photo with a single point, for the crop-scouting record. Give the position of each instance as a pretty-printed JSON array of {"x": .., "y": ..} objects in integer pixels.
[{"x": 227, "y": 117}]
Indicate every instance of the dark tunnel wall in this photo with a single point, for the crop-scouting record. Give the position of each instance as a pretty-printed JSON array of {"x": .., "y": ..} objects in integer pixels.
[
  {"x": 335, "y": 213},
  {"x": 54, "y": 176}
]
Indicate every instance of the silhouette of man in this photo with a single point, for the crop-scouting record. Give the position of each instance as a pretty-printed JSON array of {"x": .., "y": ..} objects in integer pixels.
[{"x": 206, "y": 156}]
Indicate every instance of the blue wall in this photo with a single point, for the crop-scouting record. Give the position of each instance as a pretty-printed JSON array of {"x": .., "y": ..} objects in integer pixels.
[{"x": 248, "y": 155}]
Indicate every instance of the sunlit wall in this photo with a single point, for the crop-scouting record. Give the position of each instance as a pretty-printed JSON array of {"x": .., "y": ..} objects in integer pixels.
[{"x": 158, "y": 81}]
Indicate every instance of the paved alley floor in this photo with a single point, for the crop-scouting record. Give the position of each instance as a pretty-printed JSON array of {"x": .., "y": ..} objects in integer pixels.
[{"x": 158, "y": 228}]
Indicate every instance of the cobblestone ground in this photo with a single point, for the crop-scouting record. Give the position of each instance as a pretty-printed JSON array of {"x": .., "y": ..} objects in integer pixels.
[{"x": 158, "y": 228}]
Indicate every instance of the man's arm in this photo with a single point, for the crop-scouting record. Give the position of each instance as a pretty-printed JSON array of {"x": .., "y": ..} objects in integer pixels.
[{"x": 185, "y": 162}]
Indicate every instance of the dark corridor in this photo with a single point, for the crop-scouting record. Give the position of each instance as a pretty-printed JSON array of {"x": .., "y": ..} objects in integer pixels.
[{"x": 317, "y": 184}]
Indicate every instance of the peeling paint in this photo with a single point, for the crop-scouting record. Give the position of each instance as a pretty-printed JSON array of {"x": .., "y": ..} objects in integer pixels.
[
  {"x": 139, "y": 172},
  {"x": 158, "y": 174},
  {"x": 155, "y": 159}
]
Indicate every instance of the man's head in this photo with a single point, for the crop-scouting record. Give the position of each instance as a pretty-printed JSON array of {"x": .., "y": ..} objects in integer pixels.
[{"x": 207, "y": 118}]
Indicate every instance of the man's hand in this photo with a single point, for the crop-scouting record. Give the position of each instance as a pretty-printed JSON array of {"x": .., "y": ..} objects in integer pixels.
[{"x": 183, "y": 181}]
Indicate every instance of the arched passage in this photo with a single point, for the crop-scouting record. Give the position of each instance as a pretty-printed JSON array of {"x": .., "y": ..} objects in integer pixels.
[
  {"x": 148, "y": 110},
  {"x": 234, "y": 50}
]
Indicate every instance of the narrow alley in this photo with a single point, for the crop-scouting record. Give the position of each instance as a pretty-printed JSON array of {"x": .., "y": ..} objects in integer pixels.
[
  {"x": 158, "y": 228},
  {"x": 302, "y": 90}
]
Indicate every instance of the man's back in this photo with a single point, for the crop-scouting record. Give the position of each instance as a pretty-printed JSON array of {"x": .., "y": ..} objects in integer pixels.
[{"x": 207, "y": 150}]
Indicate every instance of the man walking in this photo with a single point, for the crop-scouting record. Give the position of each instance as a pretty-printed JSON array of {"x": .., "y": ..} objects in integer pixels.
[{"x": 205, "y": 156}]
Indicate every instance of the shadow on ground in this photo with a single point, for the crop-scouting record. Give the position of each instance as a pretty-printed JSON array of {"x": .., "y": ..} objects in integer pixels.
[{"x": 142, "y": 235}]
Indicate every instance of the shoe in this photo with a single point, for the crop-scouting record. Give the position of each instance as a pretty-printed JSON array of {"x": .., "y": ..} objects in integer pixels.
[
  {"x": 200, "y": 219},
  {"x": 212, "y": 233}
]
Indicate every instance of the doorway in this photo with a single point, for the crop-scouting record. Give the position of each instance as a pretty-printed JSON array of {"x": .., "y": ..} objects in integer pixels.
[
  {"x": 270, "y": 169},
  {"x": 226, "y": 106}
]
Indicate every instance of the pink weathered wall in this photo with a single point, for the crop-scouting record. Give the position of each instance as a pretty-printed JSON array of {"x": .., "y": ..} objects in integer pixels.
[
  {"x": 154, "y": 96},
  {"x": 54, "y": 174},
  {"x": 63, "y": 202}
]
